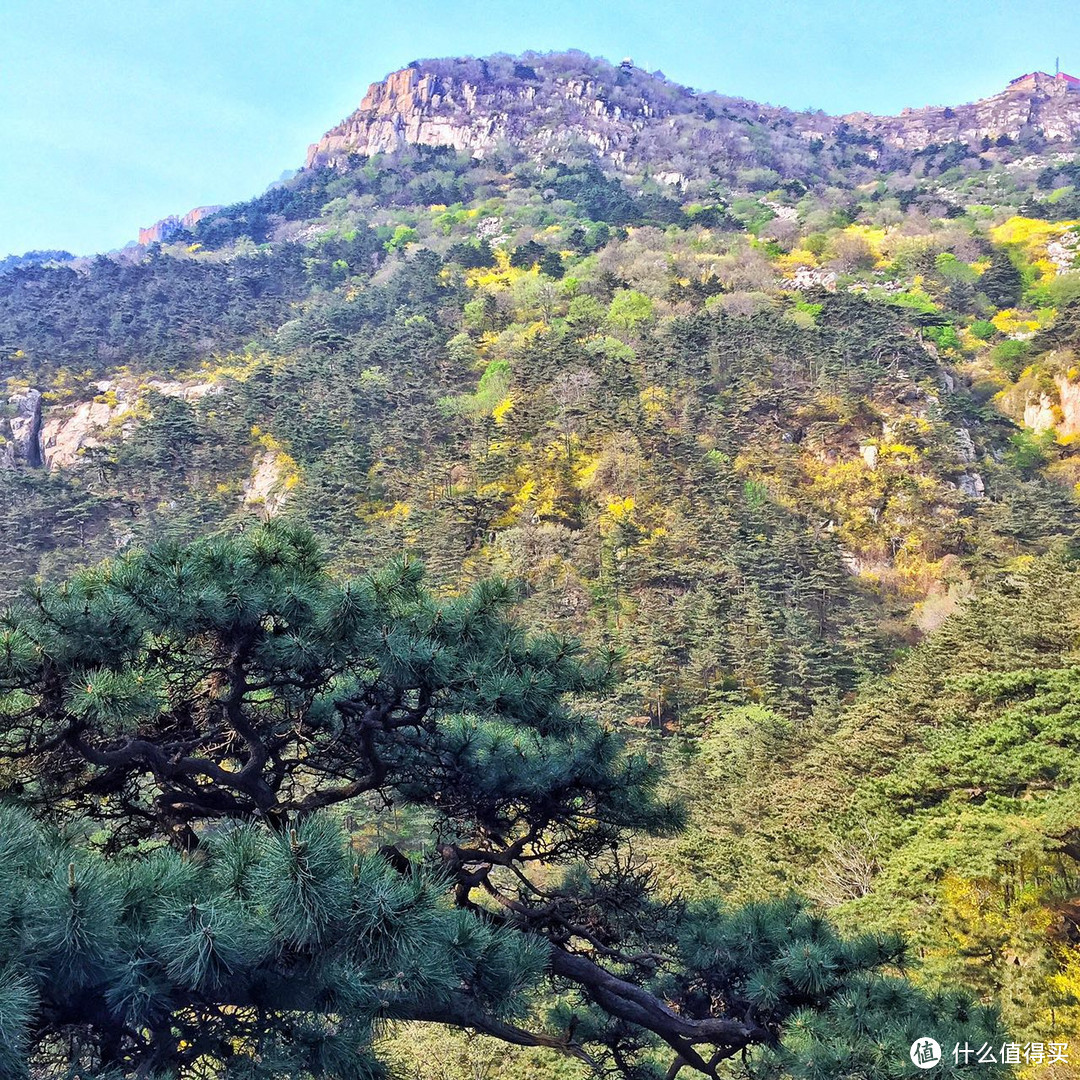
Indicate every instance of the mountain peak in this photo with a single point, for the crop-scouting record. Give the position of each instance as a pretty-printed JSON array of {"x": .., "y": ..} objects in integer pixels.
[
  {"x": 473, "y": 104},
  {"x": 549, "y": 103}
]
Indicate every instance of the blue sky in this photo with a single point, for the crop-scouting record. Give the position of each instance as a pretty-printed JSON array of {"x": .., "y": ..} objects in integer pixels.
[{"x": 114, "y": 114}]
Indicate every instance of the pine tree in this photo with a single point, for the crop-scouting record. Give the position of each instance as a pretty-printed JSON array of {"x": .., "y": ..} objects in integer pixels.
[
  {"x": 181, "y": 730},
  {"x": 1001, "y": 282}
]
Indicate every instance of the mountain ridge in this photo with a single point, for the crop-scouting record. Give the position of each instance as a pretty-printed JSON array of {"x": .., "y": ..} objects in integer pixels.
[
  {"x": 474, "y": 104},
  {"x": 632, "y": 121}
]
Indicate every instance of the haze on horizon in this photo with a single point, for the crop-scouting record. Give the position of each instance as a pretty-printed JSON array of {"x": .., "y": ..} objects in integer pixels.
[{"x": 113, "y": 116}]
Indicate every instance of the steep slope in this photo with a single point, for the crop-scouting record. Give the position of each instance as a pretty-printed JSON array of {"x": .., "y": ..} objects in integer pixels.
[
  {"x": 757, "y": 425},
  {"x": 549, "y": 104},
  {"x": 863, "y": 422},
  {"x": 944, "y": 803}
]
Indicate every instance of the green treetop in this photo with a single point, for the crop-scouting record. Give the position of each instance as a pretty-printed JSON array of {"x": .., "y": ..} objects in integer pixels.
[{"x": 177, "y": 899}]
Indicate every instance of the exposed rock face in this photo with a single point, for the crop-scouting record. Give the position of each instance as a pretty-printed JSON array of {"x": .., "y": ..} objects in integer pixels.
[
  {"x": 165, "y": 229},
  {"x": 814, "y": 277},
  {"x": 22, "y": 437},
  {"x": 621, "y": 114},
  {"x": 1042, "y": 105},
  {"x": 68, "y": 431},
  {"x": 267, "y": 487},
  {"x": 1063, "y": 416},
  {"x": 965, "y": 446},
  {"x": 971, "y": 484},
  {"x": 1069, "y": 400},
  {"x": 452, "y": 103},
  {"x": 419, "y": 108},
  {"x": 160, "y": 231},
  {"x": 61, "y": 437}
]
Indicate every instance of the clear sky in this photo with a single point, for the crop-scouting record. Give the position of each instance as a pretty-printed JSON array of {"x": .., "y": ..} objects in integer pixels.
[{"x": 114, "y": 113}]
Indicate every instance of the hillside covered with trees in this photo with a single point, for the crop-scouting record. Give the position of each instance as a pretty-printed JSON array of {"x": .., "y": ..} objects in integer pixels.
[{"x": 629, "y": 617}]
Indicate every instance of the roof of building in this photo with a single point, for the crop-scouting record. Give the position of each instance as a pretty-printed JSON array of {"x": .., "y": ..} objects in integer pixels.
[{"x": 1061, "y": 76}]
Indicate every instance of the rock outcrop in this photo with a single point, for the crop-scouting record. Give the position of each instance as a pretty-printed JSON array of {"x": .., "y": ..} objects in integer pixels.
[
  {"x": 268, "y": 487},
  {"x": 1041, "y": 106},
  {"x": 68, "y": 431},
  {"x": 61, "y": 436},
  {"x": 164, "y": 230},
  {"x": 633, "y": 120},
  {"x": 418, "y": 107},
  {"x": 21, "y": 433},
  {"x": 1043, "y": 413}
]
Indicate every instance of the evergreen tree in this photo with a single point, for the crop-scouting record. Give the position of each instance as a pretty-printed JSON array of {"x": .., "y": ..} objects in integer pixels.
[
  {"x": 1001, "y": 282},
  {"x": 175, "y": 902}
]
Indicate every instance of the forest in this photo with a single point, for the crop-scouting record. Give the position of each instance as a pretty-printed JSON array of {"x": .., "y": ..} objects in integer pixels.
[{"x": 493, "y": 616}]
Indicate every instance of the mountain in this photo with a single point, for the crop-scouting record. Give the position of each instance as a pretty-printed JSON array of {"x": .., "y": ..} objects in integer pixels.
[
  {"x": 780, "y": 407},
  {"x": 554, "y": 104},
  {"x": 547, "y": 106}
]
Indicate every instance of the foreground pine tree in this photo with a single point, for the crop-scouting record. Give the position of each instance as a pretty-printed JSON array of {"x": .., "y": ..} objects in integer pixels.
[{"x": 182, "y": 732}]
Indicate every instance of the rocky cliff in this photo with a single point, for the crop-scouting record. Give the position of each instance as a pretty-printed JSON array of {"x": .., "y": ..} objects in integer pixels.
[
  {"x": 1057, "y": 411},
  {"x": 636, "y": 119},
  {"x": 165, "y": 229},
  {"x": 417, "y": 107},
  {"x": 552, "y": 103},
  {"x": 1040, "y": 105},
  {"x": 59, "y": 436},
  {"x": 20, "y": 434}
]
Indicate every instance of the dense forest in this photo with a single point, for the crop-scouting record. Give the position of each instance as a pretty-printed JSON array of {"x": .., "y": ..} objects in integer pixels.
[{"x": 512, "y": 616}]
